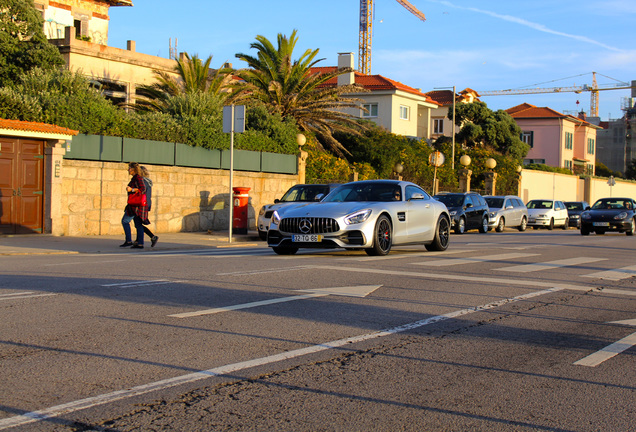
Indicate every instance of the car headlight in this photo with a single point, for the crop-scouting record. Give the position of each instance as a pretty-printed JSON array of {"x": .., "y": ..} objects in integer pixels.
[
  {"x": 262, "y": 211},
  {"x": 275, "y": 218},
  {"x": 357, "y": 217},
  {"x": 585, "y": 216},
  {"x": 453, "y": 212},
  {"x": 621, "y": 215},
  {"x": 493, "y": 214}
]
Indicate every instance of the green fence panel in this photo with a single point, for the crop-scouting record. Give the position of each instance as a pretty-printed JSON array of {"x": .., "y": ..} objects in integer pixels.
[
  {"x": 244, "y": 160},
  {"x": 150, "y": 152},
  {"x": 279, "y": 163},
  {"x": 95, "y": 147},
  {"x": 196, "y": 157}
]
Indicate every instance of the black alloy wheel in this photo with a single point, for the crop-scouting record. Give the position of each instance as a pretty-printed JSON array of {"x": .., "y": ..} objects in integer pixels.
[
  {"x": 383, "y": 237},
  {"x": 442, "y": 235}
]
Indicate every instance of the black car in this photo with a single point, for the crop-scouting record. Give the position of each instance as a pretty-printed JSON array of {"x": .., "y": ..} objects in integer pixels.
[
  {"x": 467, "y": 210},
  {"x": 575, "y": 208},
  {"x": 609, "y": 214}
]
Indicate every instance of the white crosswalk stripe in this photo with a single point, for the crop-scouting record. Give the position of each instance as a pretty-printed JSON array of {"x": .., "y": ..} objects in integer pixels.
[
  {"x": 526, "y": 268},
  {"x": 471, "y": 260},
  {"x": 615, "y": 274}
]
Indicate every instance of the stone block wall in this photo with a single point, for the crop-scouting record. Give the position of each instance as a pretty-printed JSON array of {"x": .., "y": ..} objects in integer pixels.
[{"x": 93, "y": 197}]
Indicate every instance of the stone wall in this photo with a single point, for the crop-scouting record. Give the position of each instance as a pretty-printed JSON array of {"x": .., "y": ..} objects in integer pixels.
[{"x": 93, "y": 197}]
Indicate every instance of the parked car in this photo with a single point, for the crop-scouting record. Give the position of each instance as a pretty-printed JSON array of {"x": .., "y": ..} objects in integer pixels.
[
  {"x": 547, "y": 213},
  {"x": 575, "y": 208},
  {"x": 297, "y": 193},
  {"x": 468, "y": 210},
  {"x": 609, "y": 214},
  {"x": 506, "y": 211},
  {"x": 372, "y": 215}
]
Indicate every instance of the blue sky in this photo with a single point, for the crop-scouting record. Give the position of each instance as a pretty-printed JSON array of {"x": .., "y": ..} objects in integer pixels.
[{"x": 483, "y": 45}]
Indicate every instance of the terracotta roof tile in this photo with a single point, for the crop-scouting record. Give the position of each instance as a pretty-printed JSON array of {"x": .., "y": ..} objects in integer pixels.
[
  {"x": 35, "y": 127},
  {"x": 372, "y": 82}
]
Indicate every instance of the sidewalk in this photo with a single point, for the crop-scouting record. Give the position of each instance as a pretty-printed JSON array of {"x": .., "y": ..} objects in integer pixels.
[{"x": 35, "y": 244}]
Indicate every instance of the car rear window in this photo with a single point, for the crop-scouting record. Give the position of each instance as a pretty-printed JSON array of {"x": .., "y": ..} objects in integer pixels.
[{"x": 494, "y": 202}]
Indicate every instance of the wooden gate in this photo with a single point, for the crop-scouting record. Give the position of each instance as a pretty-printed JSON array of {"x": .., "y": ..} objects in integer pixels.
[{"x": 21, "y": 185}]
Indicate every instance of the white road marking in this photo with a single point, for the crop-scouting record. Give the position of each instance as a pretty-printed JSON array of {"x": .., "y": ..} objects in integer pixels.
[
  {"x": 82, "y": 263},
  {"x": 525, "y": 268},
  {"x": 23, "y": 295},
  {"x": 90, "y": 402},
  {"x": 615, "y": 274},
  {"x": 353, "y": 291},
  {"x": 471, "y": 260},
  {"x": 608, "y": 352},
  {"x": 257, "y": 272},
  {"x": 141, "y": 283},
  {"x": 408, "y": 255}
]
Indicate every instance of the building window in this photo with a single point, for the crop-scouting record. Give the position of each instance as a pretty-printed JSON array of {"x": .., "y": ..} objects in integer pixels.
[
  {"x": 528, "y": 138},
  {"x": 568, "y": 164},
  {"x": 590, "y": 145},
  {"x": 569, "y": 141},
  {"x": 371, "y": 110},
  {"x": 404, "y": 112},
  {"x": 438, "y": 126}
]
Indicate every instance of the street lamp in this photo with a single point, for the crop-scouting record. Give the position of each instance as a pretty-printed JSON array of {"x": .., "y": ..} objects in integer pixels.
[
  {"x": 454, "y": 99},
  {"x": 397, "y": 169}
]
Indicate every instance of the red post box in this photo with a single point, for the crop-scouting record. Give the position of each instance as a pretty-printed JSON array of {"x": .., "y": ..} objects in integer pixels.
[{"x": 240, "y": 200}]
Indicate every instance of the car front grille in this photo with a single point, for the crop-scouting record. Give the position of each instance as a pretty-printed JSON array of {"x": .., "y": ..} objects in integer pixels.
[{"x": 309, "y": 225}]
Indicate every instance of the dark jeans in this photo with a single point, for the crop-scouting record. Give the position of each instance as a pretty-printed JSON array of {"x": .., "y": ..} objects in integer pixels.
[{"x": 139, "y": 226}]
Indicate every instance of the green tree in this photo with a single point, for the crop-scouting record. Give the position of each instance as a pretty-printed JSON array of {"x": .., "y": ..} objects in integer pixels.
[
  {"x": 482, "y": 127},
  {"x": 23, "y": 45},
  {"x": 194, "y": 77},
  {"x": 62, "y": 98},
  {"x": 291, "y": 89}
]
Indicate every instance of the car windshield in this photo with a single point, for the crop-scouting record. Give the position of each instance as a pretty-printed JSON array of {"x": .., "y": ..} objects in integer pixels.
[
  {"x": 574, "y": 205},
  {"x": 494, "y": 202},
  {"x": 450, "y": 200},
  {"x": 612, "y": 204},
  {"x": 365, "y": 192},
  {"x": 540, "y": 204},
  {"x": 304, "y": 193}
]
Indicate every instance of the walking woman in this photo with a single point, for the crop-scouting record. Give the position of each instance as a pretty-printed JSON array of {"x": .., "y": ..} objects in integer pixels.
[
  {"x": 146, "y": 176},
  {"x": 137, "y": 214}
]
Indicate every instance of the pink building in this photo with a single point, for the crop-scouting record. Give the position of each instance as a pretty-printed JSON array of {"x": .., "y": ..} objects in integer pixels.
[{"x": 557, "y": 139}]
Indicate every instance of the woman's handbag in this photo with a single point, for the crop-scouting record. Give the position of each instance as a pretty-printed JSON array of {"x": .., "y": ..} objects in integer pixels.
[{"x": 137, "y": 199}]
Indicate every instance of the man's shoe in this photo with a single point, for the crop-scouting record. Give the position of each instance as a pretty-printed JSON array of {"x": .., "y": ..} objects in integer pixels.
[
  {"x": 126, "y": 244},
  {"x": 153, "y": 241},
  {"x": 137, "y": 246}
]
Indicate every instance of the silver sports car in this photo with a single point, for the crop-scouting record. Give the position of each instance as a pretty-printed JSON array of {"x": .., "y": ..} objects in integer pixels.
[{"x": 372, "y": 215}]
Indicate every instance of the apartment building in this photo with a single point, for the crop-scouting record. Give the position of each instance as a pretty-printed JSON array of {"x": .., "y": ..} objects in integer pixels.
[{"x": 557, "y": 139}]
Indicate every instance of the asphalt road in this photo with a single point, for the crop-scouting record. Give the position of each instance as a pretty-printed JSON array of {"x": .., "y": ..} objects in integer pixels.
[{"x": 503, "y": 332}]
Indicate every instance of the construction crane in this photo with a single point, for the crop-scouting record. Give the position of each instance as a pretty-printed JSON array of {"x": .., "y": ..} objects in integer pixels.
[
  {"x": 366, "y": 31},
  {"x": 594, "y": 89}
]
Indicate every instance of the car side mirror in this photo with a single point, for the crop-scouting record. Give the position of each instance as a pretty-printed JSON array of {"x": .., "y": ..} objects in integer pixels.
[
  {"x": 587, "y": 208},
  {"x": 509, "y": 207},
  {"x": 469, "y": 205},
  {"x": 319, "y": 197},
  {"x": 276, "y": 201},
  {"x": 417, "y": 196}
]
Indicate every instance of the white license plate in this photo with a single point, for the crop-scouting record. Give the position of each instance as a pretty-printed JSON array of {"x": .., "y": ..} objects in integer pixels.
[
  {"x": 307, "y": 238},
  {"x": 600, "y": 223}
]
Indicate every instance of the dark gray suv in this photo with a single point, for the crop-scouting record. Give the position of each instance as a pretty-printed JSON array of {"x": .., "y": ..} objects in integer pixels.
[{"x": 467, "y": 210}]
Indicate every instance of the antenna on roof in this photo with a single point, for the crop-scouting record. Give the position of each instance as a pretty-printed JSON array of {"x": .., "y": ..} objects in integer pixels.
[{"x": 173, "y": 50}]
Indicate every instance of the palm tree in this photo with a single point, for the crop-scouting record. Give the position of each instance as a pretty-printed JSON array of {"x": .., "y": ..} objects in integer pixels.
[
  {"x": 194, "y": 77},
  {"x": 293, "y": 90}
]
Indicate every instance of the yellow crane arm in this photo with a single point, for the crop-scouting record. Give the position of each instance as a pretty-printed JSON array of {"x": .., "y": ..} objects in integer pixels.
[{"x": 412, "y": 9}]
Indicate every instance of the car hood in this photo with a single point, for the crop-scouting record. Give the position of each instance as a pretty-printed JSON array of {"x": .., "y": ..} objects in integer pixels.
[
  {"x": 324, "y": 209},
  {"x": 539, "y": 211},
  {"x": 606, "y": 212}
]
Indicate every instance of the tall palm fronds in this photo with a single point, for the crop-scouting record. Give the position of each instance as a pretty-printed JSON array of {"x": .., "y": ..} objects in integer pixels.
[
  {"x": 292, "y": 89},
  {"x": 194, "y": 77}
]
